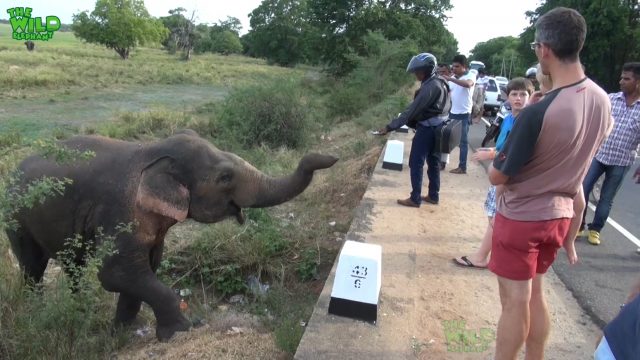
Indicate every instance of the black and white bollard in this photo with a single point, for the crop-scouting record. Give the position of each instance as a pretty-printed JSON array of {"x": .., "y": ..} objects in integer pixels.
[
  {"x": 356, "y": 287},
  {"x": 393, "y": 154}
]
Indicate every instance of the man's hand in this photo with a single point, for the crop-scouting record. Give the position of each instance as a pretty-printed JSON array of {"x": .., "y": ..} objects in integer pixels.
[
  {"x": 483, "y": 154},
  {"x": 535, "y": 97},
  {"x": 637, "y": 175},
  {"x": 570, "y": 248},
  {"x": 383, "y": 131}
]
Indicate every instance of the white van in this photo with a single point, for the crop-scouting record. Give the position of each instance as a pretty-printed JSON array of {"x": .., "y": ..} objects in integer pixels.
[
  {"x": 475, "y": 65},
  {"x": 493, "y": 98}
]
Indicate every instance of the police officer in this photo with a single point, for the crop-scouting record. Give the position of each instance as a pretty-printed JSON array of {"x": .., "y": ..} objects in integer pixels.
[
  {"x": 531, "y": 75},
  {"x": 428, "y": 111}
]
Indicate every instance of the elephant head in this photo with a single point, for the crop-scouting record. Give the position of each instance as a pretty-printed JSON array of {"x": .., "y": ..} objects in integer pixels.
[{"x": 185, "y": 176}]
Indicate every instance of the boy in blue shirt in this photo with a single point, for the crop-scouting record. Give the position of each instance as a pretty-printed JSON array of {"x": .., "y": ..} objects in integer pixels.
[{"x": 519, "y": 90}]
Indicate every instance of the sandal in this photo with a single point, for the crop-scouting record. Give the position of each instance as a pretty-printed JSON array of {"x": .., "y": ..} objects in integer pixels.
[{"x": 463, "y": 261}]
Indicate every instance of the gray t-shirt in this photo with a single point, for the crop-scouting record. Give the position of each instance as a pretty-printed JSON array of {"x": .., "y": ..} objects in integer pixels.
[{"x": 549, "y": 149}]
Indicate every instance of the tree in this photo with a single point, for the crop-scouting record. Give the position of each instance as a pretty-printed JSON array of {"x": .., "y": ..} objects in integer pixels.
[
  {"x": 182, "y": 32},
  {"x": 232, "y": 24},
  {"x": 343, "y": 26},
  {"x": 501, "y": 56},
  {"x": 278, "y": 28},
  {"x": 225, "y": 42},
  {"x": 119, "y": 25},
  {"x": 613, "y": 36}
]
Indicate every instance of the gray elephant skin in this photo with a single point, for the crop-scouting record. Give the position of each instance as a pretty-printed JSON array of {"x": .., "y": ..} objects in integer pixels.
[{"x": 152, "y": 186}]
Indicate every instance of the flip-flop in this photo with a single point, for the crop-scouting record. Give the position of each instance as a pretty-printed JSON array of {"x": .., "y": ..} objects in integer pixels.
[{"x": 466, "y": 263}]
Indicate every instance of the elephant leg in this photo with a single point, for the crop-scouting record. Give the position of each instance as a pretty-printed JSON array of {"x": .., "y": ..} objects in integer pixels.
[
  {"x": 127, "y": 310},
  {"x": 32, "y": 258},
  {"x": 137, "y": 280},
  {"x": 155, "y": 257}
]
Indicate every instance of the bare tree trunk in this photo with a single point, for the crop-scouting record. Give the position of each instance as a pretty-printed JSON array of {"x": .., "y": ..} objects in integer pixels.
[{"x": 123, "y": 52}]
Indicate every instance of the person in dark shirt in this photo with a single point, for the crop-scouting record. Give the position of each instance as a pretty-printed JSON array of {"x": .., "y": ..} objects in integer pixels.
[
  {"x": 428, "y": 111},
  {"x": 621, "y": 340}
]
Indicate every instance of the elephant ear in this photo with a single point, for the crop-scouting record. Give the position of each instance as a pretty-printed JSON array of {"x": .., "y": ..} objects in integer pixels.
[{"x": 159, "y": 192}]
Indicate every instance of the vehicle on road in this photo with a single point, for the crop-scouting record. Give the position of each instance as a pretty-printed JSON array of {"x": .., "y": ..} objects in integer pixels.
[{"x": 493, "y": 97}]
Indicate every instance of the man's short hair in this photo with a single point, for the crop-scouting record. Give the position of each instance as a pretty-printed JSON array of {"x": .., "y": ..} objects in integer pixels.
[
  {"x": 563, "y": 30},
  {"x": 460, "y": 59},
  {"x": 441, "y": 65},
  {"x": 520, "y": 83},
  {"x": 633, "y": 67}
]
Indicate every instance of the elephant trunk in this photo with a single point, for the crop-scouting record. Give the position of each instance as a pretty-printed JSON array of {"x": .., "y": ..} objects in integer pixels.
[{"x": 267, "y": 191}]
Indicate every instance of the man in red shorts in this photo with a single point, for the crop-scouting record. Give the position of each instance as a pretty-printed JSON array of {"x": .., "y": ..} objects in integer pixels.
[{"x": 541, "y": 167}]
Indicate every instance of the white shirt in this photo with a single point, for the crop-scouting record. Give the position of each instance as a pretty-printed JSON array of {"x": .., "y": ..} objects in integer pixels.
[
  {"x": 462, "y": 97},
  {"x": 482, "y": 81}
]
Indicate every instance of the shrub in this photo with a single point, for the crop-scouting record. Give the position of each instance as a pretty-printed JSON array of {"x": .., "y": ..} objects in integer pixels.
[
  {"x": 134, "y": 125},
  {"x": 377, "y": 76},
  {"x": 69, "y": 319},
  {"x": 273, "y": 114}
]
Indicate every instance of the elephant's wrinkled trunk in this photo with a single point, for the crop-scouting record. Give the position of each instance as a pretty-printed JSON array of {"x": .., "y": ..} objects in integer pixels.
[{"x": 270, "y": 191}]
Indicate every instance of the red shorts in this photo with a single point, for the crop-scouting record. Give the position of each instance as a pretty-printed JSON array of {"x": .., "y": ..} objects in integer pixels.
[{"x": 520, "y": 249}]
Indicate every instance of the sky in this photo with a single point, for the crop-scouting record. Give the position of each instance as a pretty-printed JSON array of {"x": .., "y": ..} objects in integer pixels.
[{"x": 470, "y": 21}]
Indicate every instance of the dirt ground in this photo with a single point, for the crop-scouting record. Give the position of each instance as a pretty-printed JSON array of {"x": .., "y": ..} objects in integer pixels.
[{"x": 429, "y": 308}]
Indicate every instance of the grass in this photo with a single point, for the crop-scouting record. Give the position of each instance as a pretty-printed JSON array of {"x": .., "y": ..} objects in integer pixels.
[{"x": 66, "y": 87}]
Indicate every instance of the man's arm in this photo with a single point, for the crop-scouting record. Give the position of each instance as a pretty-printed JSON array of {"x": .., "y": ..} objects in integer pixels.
[
  {"x": 635, "y": 291},
  {"x": 462, "y": 82},
  {"x": 496, "y": 177},
  {"x": 427, "y": 95},
  {"x": 518, "y": 149},
  {"x": 569, "y": 241}
]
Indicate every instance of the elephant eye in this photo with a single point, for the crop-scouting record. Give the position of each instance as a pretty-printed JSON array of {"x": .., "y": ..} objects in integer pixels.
[{"x": 225, "y": 178}]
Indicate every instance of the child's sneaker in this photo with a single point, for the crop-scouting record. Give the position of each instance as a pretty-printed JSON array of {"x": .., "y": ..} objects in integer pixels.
[{"x": 594, "y": 237}]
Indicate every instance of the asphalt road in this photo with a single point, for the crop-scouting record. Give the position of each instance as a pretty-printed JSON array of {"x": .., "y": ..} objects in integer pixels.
[{"x": 604, "y": 274}]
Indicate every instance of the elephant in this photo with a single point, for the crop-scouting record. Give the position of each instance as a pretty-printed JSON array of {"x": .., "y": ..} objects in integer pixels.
[{"x": 154, "y": 186}]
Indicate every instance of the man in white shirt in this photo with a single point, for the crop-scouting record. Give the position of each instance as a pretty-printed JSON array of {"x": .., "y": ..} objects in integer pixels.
[
  {"x": 482, "y": 78},
  {"x": 461, "y": 85}
]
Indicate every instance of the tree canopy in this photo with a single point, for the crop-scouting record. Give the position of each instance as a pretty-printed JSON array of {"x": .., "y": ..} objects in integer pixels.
[
  {"x": 501, "y": 56},
  {"x": 613, "y": 36},
  {"x": 333, "y": 32},
  {"x": 120, "y": 25}
]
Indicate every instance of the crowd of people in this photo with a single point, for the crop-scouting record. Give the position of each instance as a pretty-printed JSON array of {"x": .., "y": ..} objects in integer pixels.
[{"x": 552, "y": 148}]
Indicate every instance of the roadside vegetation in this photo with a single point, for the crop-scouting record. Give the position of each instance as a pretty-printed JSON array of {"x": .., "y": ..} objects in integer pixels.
[{"x": 269, "y": 115}]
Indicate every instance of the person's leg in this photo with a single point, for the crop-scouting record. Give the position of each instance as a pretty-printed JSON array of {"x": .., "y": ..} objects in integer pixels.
[
  {"x": 540, "y": 324},
  {"x": 417, "y": 158},
  {"x": 464, "y": 142},
  {"x": 481, "y": 256},
  {"x": 513, "y": 325},
  {"x": 596, "y": 169},
  {"x": 614, "y": 175},
  {"x": 433, "y": 164}
]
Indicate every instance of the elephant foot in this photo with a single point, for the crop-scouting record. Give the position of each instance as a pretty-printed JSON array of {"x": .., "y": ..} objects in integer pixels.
[{"x": 166, "y": 332}]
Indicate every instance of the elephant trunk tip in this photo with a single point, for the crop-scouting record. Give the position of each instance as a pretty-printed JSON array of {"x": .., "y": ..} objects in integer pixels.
[{"x": 312, "y": 162}]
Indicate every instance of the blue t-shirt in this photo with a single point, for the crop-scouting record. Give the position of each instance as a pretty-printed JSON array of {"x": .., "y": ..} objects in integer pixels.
[
  {"x": 623, "y": 332},
  {"x": 505, "y": 129}
]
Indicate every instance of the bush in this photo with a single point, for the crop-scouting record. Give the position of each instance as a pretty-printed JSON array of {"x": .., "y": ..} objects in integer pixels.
[
  {"x": 134, "y": 125},
  {"x": 377, "y": 76},
  {"x": 273, "y": 114},
  {"x": 58, "y": 322},
  {"x": 222, "y": 256}
]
